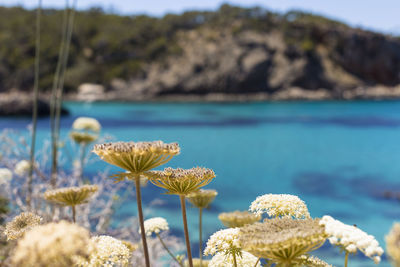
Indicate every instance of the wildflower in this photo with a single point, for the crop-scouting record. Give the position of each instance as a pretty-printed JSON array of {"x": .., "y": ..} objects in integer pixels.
[
  {"x": 71, "y": 196},
  {"x": 244, "y": 260},
  {"x": 22, "y": 167},
  {"x": 238, "y": 218},
  {"x": 350, "y": 238},
  {"x": 137, "y": 157},
  {"x": 5, "y": 175},
  {"x": 180, "y": 181},
  {"x": 109, "y": 252},
  {"x": 87, "y": 124},
  {"x": 280, "y": 205},
  {"x": 202, "y": 198},
  {"x": 83, "y": 138},
  {"x": 20, "y": 224},
  {"x": 282, "y": 240},
  {"x": 53, "y": 244},
  {"x": 225, "y": 241},
  {"x": 155, "y": 225},
  {"x": 393, "y": 244}
]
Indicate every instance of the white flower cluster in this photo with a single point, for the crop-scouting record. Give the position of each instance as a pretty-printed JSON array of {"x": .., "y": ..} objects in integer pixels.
[
  {"x": 351, "y": 238},
  {"x": 22, "y": 167},
  {"x": 280, "y": 205},
  {"x": 155, "y": 225},
  {"x": 222, "y": 260},
  {"x": 109, "y": 252},
  {"x": 224, "y": 241},
  {"x": 5, "y": 175},
  {"x": 88, "y": 124}
]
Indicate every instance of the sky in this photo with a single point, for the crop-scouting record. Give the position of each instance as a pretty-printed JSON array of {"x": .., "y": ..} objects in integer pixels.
[{"x": 377, "y": 15}]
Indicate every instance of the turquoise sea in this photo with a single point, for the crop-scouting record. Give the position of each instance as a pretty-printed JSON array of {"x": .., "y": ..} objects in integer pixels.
[{"x": 341, "y": 158}]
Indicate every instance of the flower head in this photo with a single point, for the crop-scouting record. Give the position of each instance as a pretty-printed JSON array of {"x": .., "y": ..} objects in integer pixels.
[
  {"x": 22, "y": 167},
  {"x": 280, "y": 205},
  {"x": 243, "y": 260},
  {"x": 53, "y": 244},
  {"x": 202, "y": 198},
  {"x": 393, "y": 244},
  {"x": 238, "y": 218},
  {"x": 137, "y": 157},
  {"x": 180, "y": 181},
  {"x": 5, "y": 175},
  {"x": 282, "y": 240},
  {"x": 86, "y": 124},
  {"x": 71, "y": 196},
  {"x": 155, "y": 225},
  {"x": 350, "y": 238},
  {"x": 83, "y": 138},
  {"x": 20, "y": 224},
  {"x": 225, "y": 241}
]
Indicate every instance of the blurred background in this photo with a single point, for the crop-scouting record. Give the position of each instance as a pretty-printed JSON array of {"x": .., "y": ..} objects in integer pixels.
[{"x": 275, "y": 96}]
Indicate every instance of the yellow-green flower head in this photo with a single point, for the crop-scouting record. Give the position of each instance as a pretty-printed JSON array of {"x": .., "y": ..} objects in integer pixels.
[
  {"x": 311, "y": 261},
  {"x": 137, "y": 157},
  {"x": 71, "y": 196},
  {"x": 202, "y": 198},
  {"x": 243, "y": 260},
  {"x": 238, "y": 218},
  {"x": 181, "y": 181},
  {"x": 393, "y": 244},
  {"x": 280, "y": 205},
  {"x": 86, "y": 124},
  {"x": 53, "y": 244},
  {"x": 83, "y": 138},
  {"x": 20, "y": 224},
  {"x": 282, "y": 240},
  {"x": 196, "y": 263},
  {"x": 225, "y": 241},
  {"x": 155, "y": 225}
]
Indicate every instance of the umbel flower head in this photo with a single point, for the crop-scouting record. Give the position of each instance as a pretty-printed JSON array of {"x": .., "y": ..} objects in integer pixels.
[
  {"x": 350, "y": 238},
  {"x": 282, "y": 240},
  {"x": 155, "y": 225},
  {"x": 53, "y": 244},
  {"x": 137, "y": 157},
  {"x": 83, "y": 138},
  {"x": 243, "y": 260},
  {"x": 280, "y": 205},
  {"x": 20, "y": 224},
  {"x": 5, "y": 176},
  {"x": 238, "y": 218},
  {"x": 180, "y": 181},
  {"x": 71, "y": 196},
  {"x": 202, "y": 198},
  {"x": 224, "y": 241},
  {"x": 393, "y": 244},
  {"x": 22, "y": 167},
  {"x": 86, "y": 124}
]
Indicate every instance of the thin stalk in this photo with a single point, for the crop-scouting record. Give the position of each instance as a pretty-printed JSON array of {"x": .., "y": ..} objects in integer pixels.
[
  {"x": 35, "y": 104},
  {"x": 166, "y": 248},
  {"x": 346, "y": 259},
  {"x": 255, "y": 265},
  {"x": 141, "y": 221},
  {"x": 73, "y": 214},
  {"x": 185, "y": 227},
  {"x": 200, "y": 237},
  {"x": 234, "y": 260},
  {"x": 82, "y": 155}
]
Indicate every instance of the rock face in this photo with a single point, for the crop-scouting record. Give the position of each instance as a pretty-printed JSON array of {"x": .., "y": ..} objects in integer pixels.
[{"x": 21, "y": 105}]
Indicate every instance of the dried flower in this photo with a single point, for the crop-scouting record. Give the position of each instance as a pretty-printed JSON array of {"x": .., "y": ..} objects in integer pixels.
[
  {"x": 53, "y": 244},
  {"x": 180, "y": 181},
  {"x": 87, "y": 124},
  {"x": 137, "y": 157},
  {"x": 22, "y": 167},
  {"x": 244, "y": 260},
  {"x": 225, "y": 241},
  {"x": 155, "y": 225},
  {"x": 238, "y": 218},
  {"x": 71, "y": 196},
  {"x": 280, "y": 205},
  {"x": 5, "y": 176},
  {"x": 109, "y": 252},
  {"x": 282, "y": 240},
  {"x": 393, "y": 244},
  {"x": 311, "y": 261},
  {"x": 350, "y": 238},
  {"x": 83, "y": 138},
  {"x": 202, "y": 198},
  {"x": 20, "y": 224}
]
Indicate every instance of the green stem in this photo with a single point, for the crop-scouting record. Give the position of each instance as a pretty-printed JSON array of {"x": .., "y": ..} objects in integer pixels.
[
  {"x": 234, "y": 260},
  {"x": 185, "y": 227},
  {"x": 346, "y": 259},
  {"x": 73, "y": 214},
  {"x": 166, "y": 248},
  {"x": 141, "y": 221},
  {"x": 200, "y": 237},
  {"x": 82, "y": 154}
]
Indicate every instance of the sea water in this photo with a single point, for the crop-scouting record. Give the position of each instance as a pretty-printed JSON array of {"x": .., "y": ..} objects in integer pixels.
[{"x": 341, "y": 158}]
